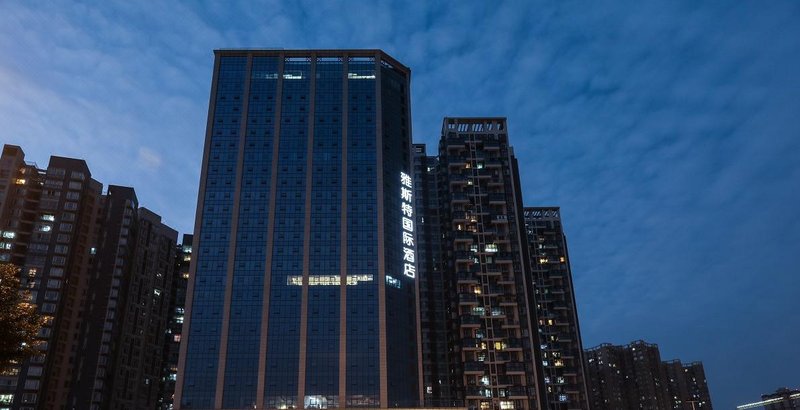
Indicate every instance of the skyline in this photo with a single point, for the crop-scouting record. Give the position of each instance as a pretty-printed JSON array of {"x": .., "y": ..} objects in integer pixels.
[{"x": 657, "y": 161}]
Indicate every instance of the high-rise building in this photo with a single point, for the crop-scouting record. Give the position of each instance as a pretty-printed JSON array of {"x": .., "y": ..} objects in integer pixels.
[
  {"x": 490, "y": 322},
  {"x": 51, "y": 219},
  {"x": 120, "y": 362},
  {"x": 303, "y": 279},
  {"x": 94, "y": 264},
  {"x": 559, "y": 333},
  {"x": 633, "y": 376}
]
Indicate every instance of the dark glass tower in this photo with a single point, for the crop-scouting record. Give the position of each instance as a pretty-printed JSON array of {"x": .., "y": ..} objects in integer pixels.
[{"x": 304, "y": 246}]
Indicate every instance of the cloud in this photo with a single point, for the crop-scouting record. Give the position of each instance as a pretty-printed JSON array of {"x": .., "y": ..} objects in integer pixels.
[
  {"x": 149, "y": 159},
  {"x": 667, "y": 132}
]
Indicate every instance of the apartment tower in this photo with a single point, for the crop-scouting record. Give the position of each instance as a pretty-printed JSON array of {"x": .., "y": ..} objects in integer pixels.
[
  {"x": 559, "y": 333},
  {"x": 97, "y": 267},
  {"x": 491, "y": 324},
  {"x": 302, "y": 286}
]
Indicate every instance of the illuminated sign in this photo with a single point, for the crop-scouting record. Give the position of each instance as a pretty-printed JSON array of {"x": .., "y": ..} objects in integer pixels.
[
  {"x": 327, "y": 280},
  {"x": 409, "y": 258}
]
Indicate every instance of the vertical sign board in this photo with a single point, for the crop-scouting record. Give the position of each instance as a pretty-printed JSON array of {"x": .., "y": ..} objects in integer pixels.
[{"x": 409, "y": 258}]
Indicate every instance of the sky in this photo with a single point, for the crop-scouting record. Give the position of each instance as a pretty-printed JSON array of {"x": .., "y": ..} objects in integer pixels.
[{"x": 667, "y": 132}]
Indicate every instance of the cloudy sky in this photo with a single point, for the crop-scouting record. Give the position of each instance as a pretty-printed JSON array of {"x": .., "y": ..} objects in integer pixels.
[{"x": 668, "y": 132}]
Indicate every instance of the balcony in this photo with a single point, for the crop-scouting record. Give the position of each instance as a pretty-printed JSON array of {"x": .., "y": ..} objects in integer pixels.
[
  {"x": 508, "y": 300},
  {"x": 499, "y": 334},
  {"x": 454, "y": 142},
  {"x": 517, "y": 392},
  {"x": 474, "y": 367},
  {"x": 506, "y": 279},
  {"x": 500, "y": 219},
  {"x": 468, "y": 299},
  {"x": 471, "y": 344},
  {"x": 494, "y": 290},
  {"x": 493, "y": 163},
  {"x": 505, "y": 257},
  {"x": 497, "y": 198},
  {"x": 466, "y": 278},
  {"x": 503, "y": 381},
  {"x": 483, "y": 173},
  {"x": 456, "y": 160},
  {"x": 459, "y": 197},
  {"x": 461, "y": 236},
  {"x": 471, "y": 321},
  {"x": 515, "y": 368},
  {"x": 514, "y": 344},
  {"x": 491, "y": 145},
  {"x": 458, "y": 180},
  {"x": 491, "y": 269},
  {"x": 463, "y": 256},
  {"x": 474, "y": 392}
]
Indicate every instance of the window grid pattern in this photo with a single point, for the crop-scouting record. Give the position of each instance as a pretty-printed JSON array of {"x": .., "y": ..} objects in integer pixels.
[
  {"x": 244, "y": 331},
  {"x": 209, "y": 290},
  {"x": 363, "y": 372},
  {"x": 283, "y": 334},
  {"x": 322, "y": 354}
]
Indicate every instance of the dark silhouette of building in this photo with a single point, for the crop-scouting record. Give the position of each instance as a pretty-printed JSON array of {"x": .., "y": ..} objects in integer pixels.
[
  {"x": 302, "y": 290},
  {"x": 634, "y": 377},
  {"x": 173, "y": 335},
  {"x": 95, "y": 264},
  {"x": 559, "y": 333},
  {"x": 782, "y": 399},
  {"x": 436, "y": 340}
]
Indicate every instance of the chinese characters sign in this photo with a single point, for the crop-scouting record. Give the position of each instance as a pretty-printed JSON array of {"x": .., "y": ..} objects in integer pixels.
[{"x": 409, "y": 258}]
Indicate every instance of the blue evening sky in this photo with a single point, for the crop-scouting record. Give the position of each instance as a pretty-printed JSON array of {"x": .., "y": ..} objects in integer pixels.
[{"x": 668, "y": 132}]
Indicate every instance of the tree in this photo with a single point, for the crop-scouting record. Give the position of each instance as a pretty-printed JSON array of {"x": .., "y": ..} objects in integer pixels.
[{"x": 19, "y": 320}]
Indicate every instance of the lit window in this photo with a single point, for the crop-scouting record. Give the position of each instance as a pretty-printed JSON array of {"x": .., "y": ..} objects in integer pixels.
[
  {"x": 491, "y": 247},
  {"x": 48, "y": 217},
  {"x": 20, "y": 182}
]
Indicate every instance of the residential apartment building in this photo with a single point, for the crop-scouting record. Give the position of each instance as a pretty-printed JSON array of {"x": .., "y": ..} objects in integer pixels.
[
  {"x": 92, "y": 264},
  {"x": 558, "y": 329},
  {"x": 633, "y": 376},
  {"x": 493, "y": 353}
]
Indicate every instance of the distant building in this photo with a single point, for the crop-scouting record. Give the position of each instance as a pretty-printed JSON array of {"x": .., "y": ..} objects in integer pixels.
[
  {"x": 558, "y": 329},
  {"x": 97, "y": 267},
  {"x": 633, "y": 376},
  {"x": 783, "y": 399}
]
